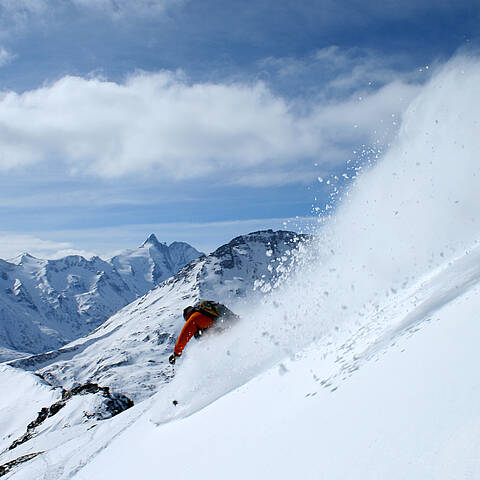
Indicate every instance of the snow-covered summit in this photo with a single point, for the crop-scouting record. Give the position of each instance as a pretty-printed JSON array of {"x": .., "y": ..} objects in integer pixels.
[
  {"x": 257, "y": 258},
  {"x": 47, "y": 303},
  {"x": 24, "y": 258},
  {"x": 148, "y": 265},
  {"x": 181, "y": 254},
  {"x": 152, "y": 240}
]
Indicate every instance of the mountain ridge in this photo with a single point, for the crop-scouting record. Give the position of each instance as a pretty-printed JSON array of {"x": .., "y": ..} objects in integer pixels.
[{"x": 45, "y": 304}]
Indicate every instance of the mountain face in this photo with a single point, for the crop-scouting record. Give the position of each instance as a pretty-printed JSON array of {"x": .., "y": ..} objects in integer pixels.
[
  {"x": 145, "y": 267},
  {"x": 129, "y": 352},
  {"x": 45, "y": 304}
]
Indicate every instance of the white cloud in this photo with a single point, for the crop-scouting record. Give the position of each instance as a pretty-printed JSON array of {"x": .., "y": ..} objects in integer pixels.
[
  {"x": 55, "y": 254},
  {"x": 374, "y": 115},
  {"x": 5, "y": 57},
  {"x": 14, "y": 244},
  {"x": 340, "y": 71},
  {"x": 160, "y": 124}
]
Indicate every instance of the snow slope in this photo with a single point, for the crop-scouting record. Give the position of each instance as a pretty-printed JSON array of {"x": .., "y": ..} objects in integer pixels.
[
  {"x": 347, "y": 407},
  {"x": 23, "y": 395},
  {"x": 47, "y": 303},
  {"x": 411, "y": 414}
]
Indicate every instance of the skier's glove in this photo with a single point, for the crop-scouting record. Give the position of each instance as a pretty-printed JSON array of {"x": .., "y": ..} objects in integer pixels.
[{"x": 173, "y": 358}]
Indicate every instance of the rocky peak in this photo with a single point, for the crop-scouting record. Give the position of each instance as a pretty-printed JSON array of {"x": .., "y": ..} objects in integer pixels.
[
  {"x": 152, "y": 241},
  {"x": 24, "y": 258},
  {"x": 267, "y": 238}
]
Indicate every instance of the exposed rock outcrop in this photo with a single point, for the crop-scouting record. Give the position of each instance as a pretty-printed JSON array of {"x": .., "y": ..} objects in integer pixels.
[{"x": 112, "y": 404}]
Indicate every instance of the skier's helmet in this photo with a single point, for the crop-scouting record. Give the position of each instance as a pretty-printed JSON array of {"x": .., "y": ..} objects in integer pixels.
[{"x": 186, "y": 312}]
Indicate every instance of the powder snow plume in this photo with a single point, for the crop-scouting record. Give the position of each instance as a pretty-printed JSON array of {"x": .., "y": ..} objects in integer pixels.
[{"x": 410, "y": 215}]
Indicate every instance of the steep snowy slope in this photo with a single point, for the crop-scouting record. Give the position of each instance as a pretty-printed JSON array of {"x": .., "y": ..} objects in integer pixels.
[
  {"x": 47, "y": 303},
  {"x": 23, "y": 395},
  {"x": 129, "y": 352},
  {"x": 396, "y": 401},
  {"x": 34, "y": 410},
  {"x": 411, "y": 414}
]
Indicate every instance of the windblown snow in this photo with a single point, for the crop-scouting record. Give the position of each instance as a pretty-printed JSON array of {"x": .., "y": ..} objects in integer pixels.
[{"x": 359, "y": 362}]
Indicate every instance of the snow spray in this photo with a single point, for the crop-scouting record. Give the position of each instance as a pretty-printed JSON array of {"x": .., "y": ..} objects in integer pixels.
[{"x": 414, "y": 211}]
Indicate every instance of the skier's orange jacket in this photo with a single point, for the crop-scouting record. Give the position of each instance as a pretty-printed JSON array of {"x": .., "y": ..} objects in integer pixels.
[{"x": 194, "y": 322}]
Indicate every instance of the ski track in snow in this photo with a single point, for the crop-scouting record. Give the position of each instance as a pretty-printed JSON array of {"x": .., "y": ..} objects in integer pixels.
[
  {"x": 455, "y": 280},
  {"x": 404, "y": 315},
  {"x": 441, "y": 288}
]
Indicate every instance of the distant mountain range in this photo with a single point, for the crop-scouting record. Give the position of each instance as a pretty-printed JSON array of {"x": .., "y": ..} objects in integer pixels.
[
  {"x": 129, "y": 351},
  {"x": 45, "y": 304}
]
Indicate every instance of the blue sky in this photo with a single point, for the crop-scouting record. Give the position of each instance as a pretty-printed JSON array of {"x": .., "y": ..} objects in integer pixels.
[{"x": 198, "y": 121}]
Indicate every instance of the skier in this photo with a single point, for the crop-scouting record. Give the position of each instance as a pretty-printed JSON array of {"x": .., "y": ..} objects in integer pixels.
[{"x": 199, "y": 318}]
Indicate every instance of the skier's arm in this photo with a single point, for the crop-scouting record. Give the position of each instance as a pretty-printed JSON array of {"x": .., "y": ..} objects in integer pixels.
[{"x": 196, "y": 321}]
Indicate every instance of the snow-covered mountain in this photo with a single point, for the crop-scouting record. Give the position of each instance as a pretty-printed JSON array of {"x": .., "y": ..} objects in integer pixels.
[
  {"x": 129, "y": 351},
  {"x": 45, "y": 304},
  {"x": 153, "y": 262}
]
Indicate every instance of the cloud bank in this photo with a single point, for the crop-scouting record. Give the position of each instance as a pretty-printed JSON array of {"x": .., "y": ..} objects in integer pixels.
[
  {"x": 13, "y": 244},
  {"x": 162, "y": 124}
]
